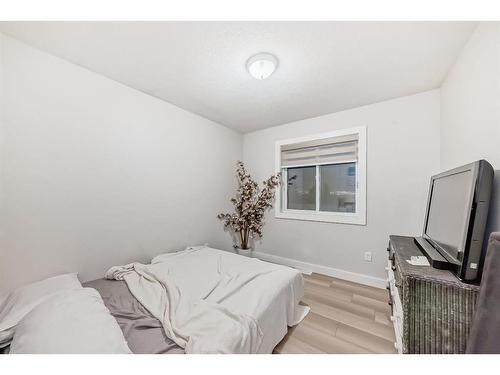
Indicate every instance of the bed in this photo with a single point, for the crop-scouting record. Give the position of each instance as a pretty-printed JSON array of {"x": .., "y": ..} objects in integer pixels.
[
  {"x": 199, "y": 300},
  {"x": 270, "y": 297}
]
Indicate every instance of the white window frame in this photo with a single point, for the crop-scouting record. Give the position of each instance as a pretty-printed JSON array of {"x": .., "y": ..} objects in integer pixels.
[{"x": 358, "y": 217}]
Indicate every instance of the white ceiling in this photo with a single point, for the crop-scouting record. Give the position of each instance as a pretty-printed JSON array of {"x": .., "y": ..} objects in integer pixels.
[{"x": 324, "y": 67}]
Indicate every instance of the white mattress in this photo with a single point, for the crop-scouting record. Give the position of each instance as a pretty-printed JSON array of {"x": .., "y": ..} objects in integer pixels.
[{"x": 272, "y": 299}]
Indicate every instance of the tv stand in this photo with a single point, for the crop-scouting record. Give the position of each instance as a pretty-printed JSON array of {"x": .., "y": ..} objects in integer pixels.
[
  {"x": 432, "y": 309},
  {"x": 433, "y": 256}
]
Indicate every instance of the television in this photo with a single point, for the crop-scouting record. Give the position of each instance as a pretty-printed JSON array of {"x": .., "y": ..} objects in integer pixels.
[{"x": 455, "y": 219}]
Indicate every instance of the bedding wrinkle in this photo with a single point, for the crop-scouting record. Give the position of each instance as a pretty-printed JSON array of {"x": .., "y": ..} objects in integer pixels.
[{"x": 168, "y": 289}]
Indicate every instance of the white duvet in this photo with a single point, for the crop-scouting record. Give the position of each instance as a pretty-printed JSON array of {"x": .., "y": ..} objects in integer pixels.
[{"x": 212, "y": 301}]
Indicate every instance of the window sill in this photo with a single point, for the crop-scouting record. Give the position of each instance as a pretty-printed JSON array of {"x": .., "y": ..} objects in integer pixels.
[{"x": 339, "y": 218}]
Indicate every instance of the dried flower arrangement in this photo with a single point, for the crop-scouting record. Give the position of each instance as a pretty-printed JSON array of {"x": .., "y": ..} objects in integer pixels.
[{"x": 250, "y": 205}]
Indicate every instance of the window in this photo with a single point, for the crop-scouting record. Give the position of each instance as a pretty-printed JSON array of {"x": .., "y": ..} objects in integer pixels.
[
  {"x": 324, "y": 177},
  {"x": 301, "y": 189}
]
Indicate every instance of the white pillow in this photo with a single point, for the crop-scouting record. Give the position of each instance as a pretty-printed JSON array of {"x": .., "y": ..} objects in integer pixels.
[
  {"x": 70, "y": 322},
  {"x": 22, "y": 300}
]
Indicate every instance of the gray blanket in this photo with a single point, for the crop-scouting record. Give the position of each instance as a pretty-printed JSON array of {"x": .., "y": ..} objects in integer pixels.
[
  {"x": 143, "y": 332},
  {"x": 485, "y": 332}
]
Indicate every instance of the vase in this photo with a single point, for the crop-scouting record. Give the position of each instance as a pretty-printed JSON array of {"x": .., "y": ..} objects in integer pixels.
[{"x": 244, "y": 252}]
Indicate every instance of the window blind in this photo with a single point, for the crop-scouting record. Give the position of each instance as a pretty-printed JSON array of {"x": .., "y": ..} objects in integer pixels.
[{"x": 331, "y": 150}]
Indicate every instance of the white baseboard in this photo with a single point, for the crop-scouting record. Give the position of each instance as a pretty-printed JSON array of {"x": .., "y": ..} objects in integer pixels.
[{"x": 328, "y": 271}]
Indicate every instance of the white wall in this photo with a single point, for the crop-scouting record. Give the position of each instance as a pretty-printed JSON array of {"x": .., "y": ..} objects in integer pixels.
[
  {"x": 470, "y": 108},
  {"x": 470, "y": 102},
  {"x": 2, "y": 260},
  {"x": 403, "y": 152},
  {"x": 97, "y": 174}
]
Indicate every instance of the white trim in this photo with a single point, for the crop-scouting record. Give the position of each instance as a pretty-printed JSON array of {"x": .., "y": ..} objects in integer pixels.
[
  {"x": 357, "y": 218},
  {"x": 329, "y": 271},
  {"x": 328, "y": 217},
  {"x": 318, "y": 190}
]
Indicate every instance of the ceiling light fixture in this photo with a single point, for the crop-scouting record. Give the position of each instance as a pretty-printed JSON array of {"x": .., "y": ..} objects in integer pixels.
[{"x": 262, "y": 65}]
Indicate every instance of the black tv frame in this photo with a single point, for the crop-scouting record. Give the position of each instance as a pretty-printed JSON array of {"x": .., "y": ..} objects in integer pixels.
[{"x": 468, "y": 266}]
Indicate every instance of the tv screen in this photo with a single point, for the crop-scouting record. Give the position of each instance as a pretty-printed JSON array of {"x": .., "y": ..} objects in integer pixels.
[{"x": 449, "y": 210}]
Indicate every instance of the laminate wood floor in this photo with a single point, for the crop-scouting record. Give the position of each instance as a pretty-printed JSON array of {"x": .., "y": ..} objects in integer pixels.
[{"x": 345, "y": 317}]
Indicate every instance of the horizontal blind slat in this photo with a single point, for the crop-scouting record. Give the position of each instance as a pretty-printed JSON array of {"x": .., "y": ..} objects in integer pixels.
[{"x": 319, "y": 161}]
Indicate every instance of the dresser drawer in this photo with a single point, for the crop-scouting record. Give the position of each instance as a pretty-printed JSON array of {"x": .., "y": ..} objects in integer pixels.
[
  {"x": 397, "y": 316},
  {"x": 397, "y": 308}
]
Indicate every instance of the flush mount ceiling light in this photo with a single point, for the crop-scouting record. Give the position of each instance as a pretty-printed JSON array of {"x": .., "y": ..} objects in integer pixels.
[{"x": 262, "y": 65}]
